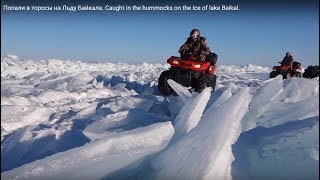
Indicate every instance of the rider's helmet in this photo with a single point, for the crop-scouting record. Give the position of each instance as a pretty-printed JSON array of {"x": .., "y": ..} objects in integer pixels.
[{"x": 195, "y": 33}]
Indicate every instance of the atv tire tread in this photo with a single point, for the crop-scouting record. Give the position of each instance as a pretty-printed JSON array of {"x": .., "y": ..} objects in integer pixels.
[
  {"x": 205, "y": 81},
  {"x": 298, "y": 74},
  {"x": 286, "y": 75},
  {"x": 164, "y": 87}
]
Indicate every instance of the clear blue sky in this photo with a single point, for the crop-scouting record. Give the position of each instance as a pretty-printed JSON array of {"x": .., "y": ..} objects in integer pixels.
[{"x": 240, "y": 38}]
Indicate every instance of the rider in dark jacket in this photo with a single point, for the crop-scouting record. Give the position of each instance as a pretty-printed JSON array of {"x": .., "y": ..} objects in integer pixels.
[
  {"x": 196, "y": 46},
  {"x": 287, "y": 60}
]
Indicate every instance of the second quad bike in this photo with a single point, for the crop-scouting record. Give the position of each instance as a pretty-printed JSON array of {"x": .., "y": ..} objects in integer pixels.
[
  {"x": 189, "y": 73},
  {"x": 287, "y": 71}
]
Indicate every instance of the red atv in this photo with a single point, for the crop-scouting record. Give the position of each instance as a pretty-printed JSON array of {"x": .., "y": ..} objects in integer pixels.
[
  {"x": 187, "y": 72},
  {"x": 287, "y": 71}
]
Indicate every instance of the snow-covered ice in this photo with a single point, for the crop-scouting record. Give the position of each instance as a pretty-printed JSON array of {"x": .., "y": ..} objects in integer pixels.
[
  {"x": 204, "y": 152},
  {"x": 286, "y": 151},
  {"x": 106, "y": 155},
  {"x": 63, "y": 119}
]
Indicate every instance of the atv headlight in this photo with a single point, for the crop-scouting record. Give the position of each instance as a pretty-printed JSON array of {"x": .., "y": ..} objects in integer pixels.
[
  {"x": 197, "y": 66},
  {"x": 210, "y": 68},
  {"x": 175, "y": 62}
]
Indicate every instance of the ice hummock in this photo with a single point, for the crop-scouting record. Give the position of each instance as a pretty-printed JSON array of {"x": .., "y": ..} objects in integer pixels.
[{"x": 58, "y": 112}]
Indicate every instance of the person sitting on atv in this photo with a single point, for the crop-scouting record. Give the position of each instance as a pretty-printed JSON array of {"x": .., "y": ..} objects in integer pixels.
[
  {"x": 287, "y": 60},
  {"x": 197, "y": 47}
]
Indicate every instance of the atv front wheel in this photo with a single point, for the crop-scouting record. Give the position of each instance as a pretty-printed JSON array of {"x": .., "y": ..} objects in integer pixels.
[
  {"x": 205, "y": 81},
  {"x": 164, "y": 87},
  {"x": 298, "y": 74},
  {"x": 213, "y": 81},
  {"x": 286, "y": 75}
]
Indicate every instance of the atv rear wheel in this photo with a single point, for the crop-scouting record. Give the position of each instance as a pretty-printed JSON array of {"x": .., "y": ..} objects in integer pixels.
[
  {"x": 164, "y": 87},
  {"x": 274, "y": 74}
]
